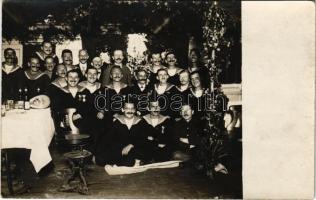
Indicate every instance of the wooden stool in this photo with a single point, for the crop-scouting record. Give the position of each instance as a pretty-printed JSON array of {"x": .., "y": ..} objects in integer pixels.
[{"x": 77, "y": 160}]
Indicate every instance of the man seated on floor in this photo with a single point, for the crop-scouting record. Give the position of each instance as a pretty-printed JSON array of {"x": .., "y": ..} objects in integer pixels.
[
  {"x": 186, "y": 135},
  {"x": 126, "y": 143},
  {"x": 158, "y": 132}
]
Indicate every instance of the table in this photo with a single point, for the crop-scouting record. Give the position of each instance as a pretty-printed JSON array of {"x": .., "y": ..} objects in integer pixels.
[{"x": 32, "y": 129}]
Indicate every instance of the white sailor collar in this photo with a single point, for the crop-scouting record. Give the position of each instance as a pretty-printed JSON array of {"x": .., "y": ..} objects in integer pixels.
[
  {"x": 41, "y": 56},
  {"x": 161, "y": 119},
  {"x": 110, "y": 86},
  {"x": 121, "y": 119},
  {"x": 84, "y": 84},
  {"x": 80, "y": 89},
  {"x": 15, "y": 67},
  {"x": 169, "y": 86},
  {"x": 194, "y": 94},
  {"x": 36, "y": 77},
  {"x": 57, "y": 84}
]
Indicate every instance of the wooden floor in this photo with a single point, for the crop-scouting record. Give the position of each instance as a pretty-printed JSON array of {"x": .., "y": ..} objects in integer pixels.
[{"x": 154, "y": 183}]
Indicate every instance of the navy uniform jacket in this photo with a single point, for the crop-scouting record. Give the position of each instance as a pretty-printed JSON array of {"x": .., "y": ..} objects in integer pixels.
[
  {"x": 36, "y": 86},
  {"x": 175, "y": 78},
  {"x": 169, "y": 101},
  {"x": 114, "y": 100},
  {"x": 109, "y": 148},
  {"x": 198, "y": 104},
  {"x": 161, "y": 133},
  {"x": 10, "y": 83},
  {"x": 139, "y": 97},
  {"x": 190, "y": 130}
]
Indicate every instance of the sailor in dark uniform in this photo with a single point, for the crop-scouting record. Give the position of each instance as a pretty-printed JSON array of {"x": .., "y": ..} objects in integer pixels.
[
  {"x": 185, "y": 135},
  {"x": 73, "y": 96},
  {"x": 116, "y": 91},
  {"x": 46, "y": 50},
  {"x": 154, "y": 67},
  {"x": 173, "y": 70},
  {"x": 34, "y": 81},
  {"x": 126, "y": 143},
  {"x": 140, "y": 92},
  {"x": 11, "y": 76},
  {"x": 50, "y": 67},
  {"x": 196, "y": 96},
  {"x": 96, "y": 119},
  {"x": 166, "y": 94},
  {"x": 158, "y": 133},
  {"x": 184, "y": 77},
  {"x": 55, "y": 92}
]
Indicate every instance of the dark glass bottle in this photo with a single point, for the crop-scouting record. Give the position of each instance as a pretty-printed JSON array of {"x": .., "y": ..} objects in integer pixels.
[{"x": 26, "y": 100}]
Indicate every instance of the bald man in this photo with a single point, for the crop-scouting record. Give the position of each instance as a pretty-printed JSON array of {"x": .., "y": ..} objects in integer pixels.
[
  {"x": 98, "y": 64},
  {"x": 83, "y": 64}
]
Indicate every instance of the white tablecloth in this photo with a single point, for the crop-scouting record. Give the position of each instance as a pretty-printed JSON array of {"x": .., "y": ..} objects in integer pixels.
[{"x": 32, "y": 129}]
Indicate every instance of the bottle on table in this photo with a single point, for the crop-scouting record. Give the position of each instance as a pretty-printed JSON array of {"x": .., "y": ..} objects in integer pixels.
[
  {"x": 26, "y": 100},
  {"x": 20, "y": 100}
]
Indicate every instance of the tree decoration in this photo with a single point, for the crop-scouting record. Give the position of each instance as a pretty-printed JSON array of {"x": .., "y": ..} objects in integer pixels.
[{"x": 212, "y": 148}]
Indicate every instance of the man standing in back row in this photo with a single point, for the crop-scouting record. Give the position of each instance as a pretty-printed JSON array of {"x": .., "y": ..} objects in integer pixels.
[{"x": 118, "y": 58}]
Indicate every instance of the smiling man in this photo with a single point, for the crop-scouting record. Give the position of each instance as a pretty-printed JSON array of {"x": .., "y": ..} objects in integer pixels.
[
  {"x": 11, "y": 75},
  {"x": 126, "y": 143},
  {"x": 118, "y": 58},
  {"x": 83, "y": 64},
  {"x": 46, "y": 49}
]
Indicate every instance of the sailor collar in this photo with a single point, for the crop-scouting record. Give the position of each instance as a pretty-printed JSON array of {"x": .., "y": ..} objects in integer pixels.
[
  {"x": 57, "y": 84},
  {"x": 178, "y": 70},
  {"x": 15, "y": 67},
  {"x": 80, "y": 89},
  {"x": 42, "y": 57},
  {"x": 85, "y": 83},
  {"x": 110, "y": 86},
  {"x": 169, "y": 86},
  {"x": 194, "y": 94},
  {"x": 161, "y": 119},
  {"x": 121, "y": 119},
  {"x": 34, "y": 78},
  {"x": 179, "y": 88}
]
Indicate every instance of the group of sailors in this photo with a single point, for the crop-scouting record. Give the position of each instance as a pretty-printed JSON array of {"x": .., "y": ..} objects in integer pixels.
[{"x": 153, "y": 114}]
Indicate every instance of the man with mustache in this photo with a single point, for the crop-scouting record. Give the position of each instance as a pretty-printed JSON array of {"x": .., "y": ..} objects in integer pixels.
[
  {"x": 173, "y": 69},
  {"x": 67, "y": 58},
  {"x": 154, "y": 67},
  {"x": 83, "y": 64},
  {"x": 34, "y": 81},
  {"x": 46, "y": 50},
  {"x": 140, "y": 91},
  {"x": 97, "y": 63},
  {"x": 11, "y": 74},
  {"x": 166, "y": 94},
  {"x": 118, "y": 58},
  {"x": 72, "y": 96},
  {"x": 186, "y": 134},
  {"x": 158, "y": 129},
  {"x": 50, "y": 67},
  {"x": 126, "y": 143}
]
